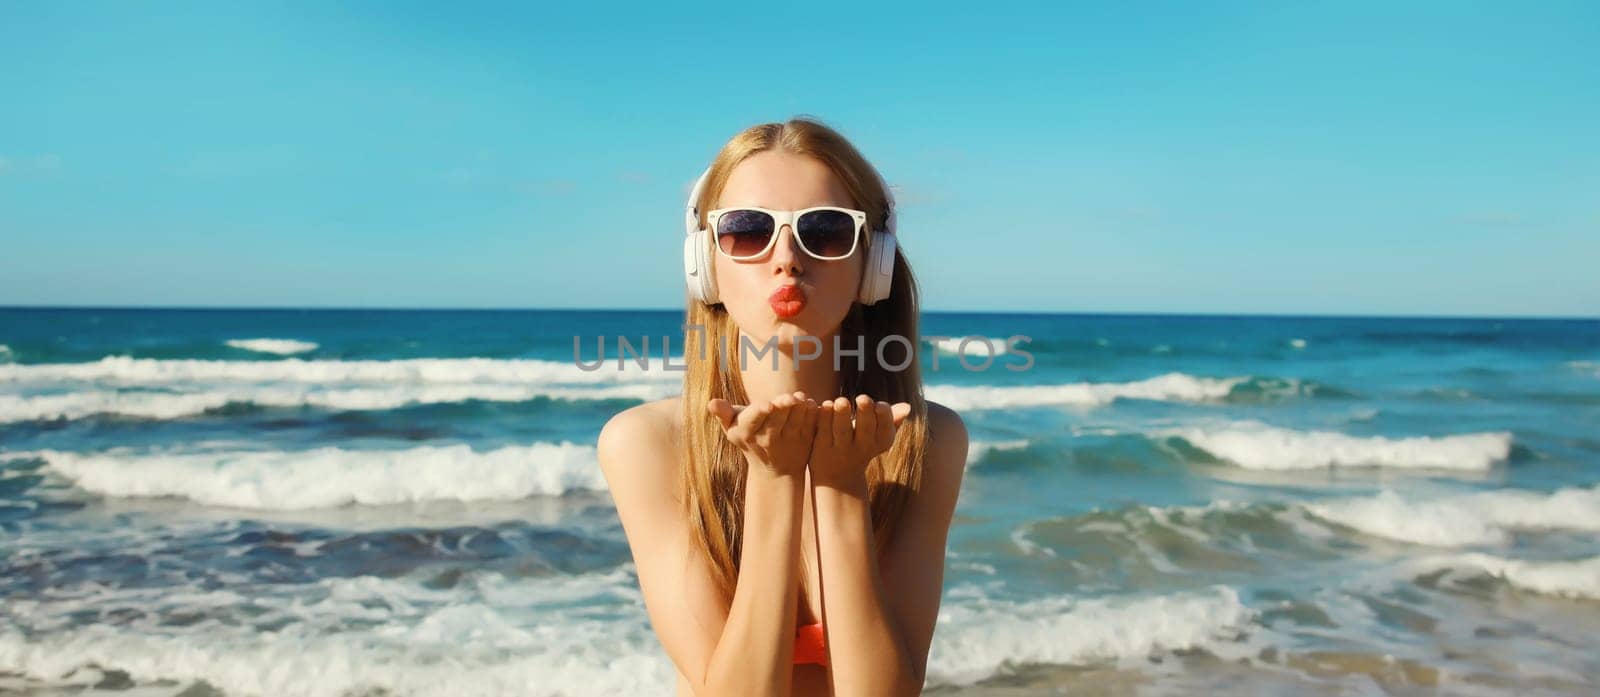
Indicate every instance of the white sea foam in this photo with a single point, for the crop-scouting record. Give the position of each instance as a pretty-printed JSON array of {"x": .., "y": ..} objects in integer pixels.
[
  {"x": 170, "y": 389},
  {"x": 124, "y": 370},
  {"x": 1297, "y": 343},
  {"x": 1171, "y": 387},
  {"x": 5, "y": 353},
  {"x": 1484, "y": 518},
  {"x": 330, "y": 476},
  {"x": 977, "y": 346},
  {"x": 491, "y": 634},
  {"x": 488, "y": 635},
  {"x": 978, "y": 449},
  {"x": 977, "y": 637},
  {"x": 175, "y": 405},
  {"x": 281, "y": 347},
  {"x": 1257, "y": 446},
  {"x": 1590, "y": 367},
  {"x": 1568, "y": 579}
]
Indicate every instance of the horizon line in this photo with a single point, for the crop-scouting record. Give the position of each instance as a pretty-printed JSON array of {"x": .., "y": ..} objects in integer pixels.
[{"x": 1083, "y": 313}]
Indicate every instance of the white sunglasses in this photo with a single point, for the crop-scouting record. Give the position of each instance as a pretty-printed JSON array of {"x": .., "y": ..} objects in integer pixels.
[{"x": 827, "y": 233}]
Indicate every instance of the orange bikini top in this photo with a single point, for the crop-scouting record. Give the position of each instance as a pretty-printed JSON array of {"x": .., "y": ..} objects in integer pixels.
[{"x": 810, "y": 644}]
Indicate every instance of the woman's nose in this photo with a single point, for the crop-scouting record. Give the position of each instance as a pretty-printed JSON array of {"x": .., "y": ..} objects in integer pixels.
[{"x": 787, "y": 253}]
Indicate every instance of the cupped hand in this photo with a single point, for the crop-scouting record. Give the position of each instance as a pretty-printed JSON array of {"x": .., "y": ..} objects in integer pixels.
[
  {"x": 845, "y": 440},
  {"x": 776, "y": 435}
]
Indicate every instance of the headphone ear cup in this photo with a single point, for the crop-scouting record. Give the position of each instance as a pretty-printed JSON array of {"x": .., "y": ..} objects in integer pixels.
[
  {"x": 697, "y": 268},
  {"x": 691, "y": 266},
  {"x": 877, "y": 276},
  {"x": 708, "y": 278}
]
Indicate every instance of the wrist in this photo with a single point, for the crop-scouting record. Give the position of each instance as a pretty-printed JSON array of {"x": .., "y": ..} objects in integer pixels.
[
  {"x": 849, "y": 483},
  {"x": 765, "y": 471}
]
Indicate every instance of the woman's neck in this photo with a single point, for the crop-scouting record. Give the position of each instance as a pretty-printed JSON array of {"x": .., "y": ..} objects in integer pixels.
[{"x": 815, "y": 377}]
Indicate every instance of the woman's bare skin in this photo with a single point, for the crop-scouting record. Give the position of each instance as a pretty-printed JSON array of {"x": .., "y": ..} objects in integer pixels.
[{"x": 639, "y": 455}]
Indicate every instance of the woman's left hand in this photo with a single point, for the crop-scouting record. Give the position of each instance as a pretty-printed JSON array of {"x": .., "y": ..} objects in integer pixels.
[{"x": 841, "y": 450}]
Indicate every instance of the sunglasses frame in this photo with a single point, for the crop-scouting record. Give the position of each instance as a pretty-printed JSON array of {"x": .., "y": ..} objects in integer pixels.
[{"x": 781, "y": 218}]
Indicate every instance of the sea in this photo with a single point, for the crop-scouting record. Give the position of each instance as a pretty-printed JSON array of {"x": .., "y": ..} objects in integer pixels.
[{"x": 339, "y": 503}]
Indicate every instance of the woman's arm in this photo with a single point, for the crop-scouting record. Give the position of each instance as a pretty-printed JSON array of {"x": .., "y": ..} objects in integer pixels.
[
  {"x": 745, "y": 646},
  {"x": 878, "y": 641},
  {"x": 755, "y": 654},
  {"x": 866, "y": 653}
]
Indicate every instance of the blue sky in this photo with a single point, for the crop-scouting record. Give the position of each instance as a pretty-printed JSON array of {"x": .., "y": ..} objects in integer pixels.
[{"x": 1355, "y": 158}]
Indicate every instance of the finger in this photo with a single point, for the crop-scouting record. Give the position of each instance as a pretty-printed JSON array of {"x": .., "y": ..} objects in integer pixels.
[
  {"x": 781, "y": 406},
  {"x": 825, "y": 416},
  {"x": 752, "y": 418},
  {"x": 721, "y": 409},
  {"x": 866, "y": 420},
  {"x": 883, "y": 416},
  {"x": 900, "y": 410},
  {"x": 802, "y": 418},
  {"x": 841, "y": 422}
]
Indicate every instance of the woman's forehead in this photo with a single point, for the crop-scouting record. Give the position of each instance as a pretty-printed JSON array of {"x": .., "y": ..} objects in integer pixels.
[{"x": 783, "y": 181}]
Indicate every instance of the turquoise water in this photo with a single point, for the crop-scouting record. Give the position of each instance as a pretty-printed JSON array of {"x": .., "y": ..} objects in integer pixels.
[{"x": 406, "y": 502}]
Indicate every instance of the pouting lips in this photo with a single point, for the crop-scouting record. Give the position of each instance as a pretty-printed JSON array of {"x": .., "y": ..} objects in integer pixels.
[{"x": 787, "y": 301}]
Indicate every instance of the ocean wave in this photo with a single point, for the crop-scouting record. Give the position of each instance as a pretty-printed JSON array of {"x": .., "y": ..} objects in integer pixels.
[
  {"x": 495, "y": 634},
  {"x": 491, "y": 635},
  {"x": 1578, "y": 579},
  {"x": 6, "y": 355},
  {"x": 1257, "y": 446},
  {"x": 977, "y": 637},
  {"x": 980, "y": 449},
  {"x": 329, "y": 476},
  {"x": 1134, "y": 546},
  {"x": 177, "y": 405},
  {"x": 1127, "y": 546},
  {"x": 124, "y": 370},
  {"x": 977, "y": 346},
  {"x": 1262, "y": 389},
  {"x": 1483, "y": 518},
  {"x": 280, "y": 347},
  {"x": 1171, "y": 387},
  {"x": 1588, "y": 367}
]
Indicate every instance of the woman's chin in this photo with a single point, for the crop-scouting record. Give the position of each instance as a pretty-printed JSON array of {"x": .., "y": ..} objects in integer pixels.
[{"x": 787, "y": 330}]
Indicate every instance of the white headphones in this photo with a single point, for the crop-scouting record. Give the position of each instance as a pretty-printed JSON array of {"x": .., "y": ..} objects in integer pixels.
[{"x": 877, "y": 275}]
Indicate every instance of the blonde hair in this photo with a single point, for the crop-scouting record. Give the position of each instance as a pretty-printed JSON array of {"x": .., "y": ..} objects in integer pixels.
[{"x": 711, "y": 483}]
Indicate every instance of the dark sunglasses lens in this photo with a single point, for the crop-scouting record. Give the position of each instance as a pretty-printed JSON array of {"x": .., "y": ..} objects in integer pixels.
[
  {"x": 827, "y": 233},
  {"x": 744, "y": 233}
]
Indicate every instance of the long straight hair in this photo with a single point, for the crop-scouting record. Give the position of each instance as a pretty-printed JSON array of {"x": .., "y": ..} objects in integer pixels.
[{"x": 713, "y": 476}]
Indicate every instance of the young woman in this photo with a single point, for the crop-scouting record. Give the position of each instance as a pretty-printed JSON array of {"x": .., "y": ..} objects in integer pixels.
[{"x": 788, "y": 513}]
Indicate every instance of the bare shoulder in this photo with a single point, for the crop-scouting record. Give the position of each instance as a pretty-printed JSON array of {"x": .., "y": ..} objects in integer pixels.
[
  {"x": 947, "y": 435},
  {"x": 637, "y": 444},
  {"x": 664, "y": 412},
  {"x": 657, "y": 421}
]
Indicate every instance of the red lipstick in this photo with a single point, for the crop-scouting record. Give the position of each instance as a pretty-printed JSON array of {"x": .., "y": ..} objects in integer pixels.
[{"x": 787, "y": 301}]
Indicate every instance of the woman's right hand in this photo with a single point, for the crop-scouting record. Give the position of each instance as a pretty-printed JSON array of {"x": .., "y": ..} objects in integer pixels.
[{"x": 776, "y": 435}]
